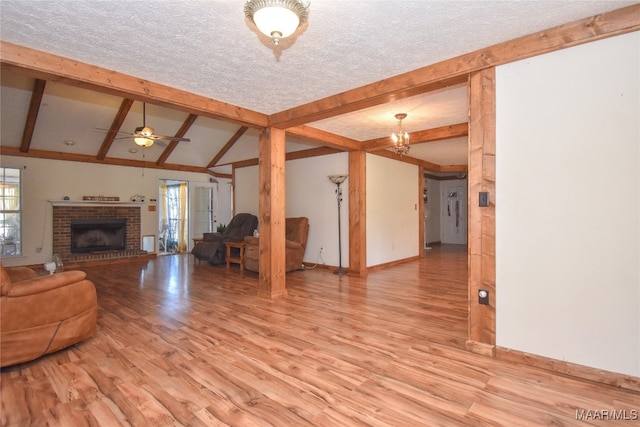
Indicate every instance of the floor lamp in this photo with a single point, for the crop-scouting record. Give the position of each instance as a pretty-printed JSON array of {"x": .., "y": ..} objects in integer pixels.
[{"x": 337, "y": 180}]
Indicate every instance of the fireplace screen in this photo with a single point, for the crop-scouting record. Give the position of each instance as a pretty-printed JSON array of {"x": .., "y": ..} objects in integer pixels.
[{"x": 95, "y": 234}]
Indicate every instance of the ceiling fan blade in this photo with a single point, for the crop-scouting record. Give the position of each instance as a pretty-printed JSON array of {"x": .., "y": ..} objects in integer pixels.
[{"x": 170, "y": 138}]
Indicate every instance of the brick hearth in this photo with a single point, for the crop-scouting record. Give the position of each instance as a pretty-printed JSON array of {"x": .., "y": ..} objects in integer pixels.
[{"x": 64, "y": 213}]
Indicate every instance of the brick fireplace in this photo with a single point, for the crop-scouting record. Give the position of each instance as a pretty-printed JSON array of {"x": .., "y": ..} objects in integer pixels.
[{"x": 64, "y": 213}]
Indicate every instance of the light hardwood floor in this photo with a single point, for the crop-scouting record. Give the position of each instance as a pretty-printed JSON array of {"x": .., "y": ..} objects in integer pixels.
[{"x": 186, "y": 343}]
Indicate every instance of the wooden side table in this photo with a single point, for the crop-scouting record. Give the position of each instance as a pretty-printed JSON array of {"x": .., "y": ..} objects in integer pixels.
[{"x": 236, "y": 260}]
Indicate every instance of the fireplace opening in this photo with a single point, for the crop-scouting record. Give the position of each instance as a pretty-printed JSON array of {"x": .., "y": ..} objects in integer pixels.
[{"x": 98, "y": 234}]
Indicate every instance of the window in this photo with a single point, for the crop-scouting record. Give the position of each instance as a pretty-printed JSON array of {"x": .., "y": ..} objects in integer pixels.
[{"x": 10, "y": 211}]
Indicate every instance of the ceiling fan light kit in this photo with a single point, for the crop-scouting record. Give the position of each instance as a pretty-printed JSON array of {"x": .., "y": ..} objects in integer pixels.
[
  {"x": 400, "y": 138},
  {"x": 277, "y": 18}
]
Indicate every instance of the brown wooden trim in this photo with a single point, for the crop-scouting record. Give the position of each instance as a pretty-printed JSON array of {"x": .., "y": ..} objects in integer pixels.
[
  {"x": 441, "y": 178},
  {"x": 173, "y": 144},
  {"x": 271, "y": 172},
  {"x": 614, "y": 379},
  {"x": 481, "y": 348},
  {"x": 73, "y": 157},
  {"x": 236, "y": 136},
  {"x": 481, "y": 232},
  {"x": 421, "y": 137},
  {"x": 32, "y": 115},
  {"x": 46, "y": 66},
  {"x": 357, "y": 182},
  {"x": 328, "y": 139},
  {"x": 454, "y": 71},
  {"x": 385, "y": 265},
  {"x": 220, "y": 175},
  {"x": 125, "y": 106}
]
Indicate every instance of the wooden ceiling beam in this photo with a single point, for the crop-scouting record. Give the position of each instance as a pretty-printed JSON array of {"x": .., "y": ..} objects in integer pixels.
[
  {"x": 32, "y": 114},
  {"x": 173, "y": 144},
  {"x": 125, "y": 106},
  {"x": 327, "y": 139},
  {"x": 236, "y": 136},
  {"x": 85, "y": 158},
  {"x": 456, "y": 70},
  {"x": 419, "y": 137},
  {"x": 46, "y": 66}
]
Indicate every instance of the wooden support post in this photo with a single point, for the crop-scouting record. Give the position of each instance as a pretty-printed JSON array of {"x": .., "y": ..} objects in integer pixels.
[
  {"x": 357, "y": 212},
  {"x": 271, "y": 171},
  {"x": 482, "y": 242}
]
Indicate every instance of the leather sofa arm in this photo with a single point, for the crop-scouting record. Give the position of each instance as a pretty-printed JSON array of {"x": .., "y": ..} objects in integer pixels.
[
  {"x": 292, "y": 245},
  {"x": 44, "y": 283},
  {"x": 211, "y": 237},
  {"x": 18, "y": 274}
]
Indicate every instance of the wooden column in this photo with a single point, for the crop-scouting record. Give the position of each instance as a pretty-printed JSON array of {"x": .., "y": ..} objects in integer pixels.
[
  {"x": 481, "y": 176},
  {"x": 271, "y": 166},
  {"x": 358, "y": 212}
]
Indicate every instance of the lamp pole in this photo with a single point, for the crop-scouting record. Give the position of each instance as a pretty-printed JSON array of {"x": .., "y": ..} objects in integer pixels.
[{"x": 337, "y": 180}]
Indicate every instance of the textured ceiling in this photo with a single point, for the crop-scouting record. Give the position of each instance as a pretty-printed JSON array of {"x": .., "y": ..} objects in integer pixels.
[{"x": 211, "y": 49}]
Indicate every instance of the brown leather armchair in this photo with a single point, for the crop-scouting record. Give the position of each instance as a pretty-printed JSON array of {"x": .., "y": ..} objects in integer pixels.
[
  {"x": 43, "y": 314},
  {"x": 212, "y": 248},
  {"x": 297, "y": 232}
]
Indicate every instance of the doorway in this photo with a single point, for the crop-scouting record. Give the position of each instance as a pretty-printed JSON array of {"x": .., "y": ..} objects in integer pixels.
[
  {"x": 454, "y": 212},
  {"x": 173, "y": 217}
]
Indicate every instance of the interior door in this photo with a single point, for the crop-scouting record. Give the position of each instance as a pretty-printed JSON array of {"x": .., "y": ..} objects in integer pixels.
[
  {"x": 205, "y": 209},
  {"x": 454, "y": 214}
]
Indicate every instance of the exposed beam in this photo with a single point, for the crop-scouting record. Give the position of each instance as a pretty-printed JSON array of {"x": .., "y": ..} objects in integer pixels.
[
  {"x": 115, "y": 128},
  {"x": 432, "y": 167},
  {"x": 454, "y": 71},
  {"x": 428, "y": 135},
  {"x": 32, "y": 115},
  {"x": 59, "y": 69},
  {"x": 72, "y": 157},
  {"x": 378, "y": 93},
  {"x": 173, "y": 144},
  {"x": 294, "y": 155},
  {"x": 236, "y": 136},
  {"x": 321, "y": 137}
]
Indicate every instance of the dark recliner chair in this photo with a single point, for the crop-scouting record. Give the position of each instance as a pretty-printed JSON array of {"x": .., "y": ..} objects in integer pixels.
[
  {"x": 296, "y": 235},
  {"x": 213, "y": 249}
]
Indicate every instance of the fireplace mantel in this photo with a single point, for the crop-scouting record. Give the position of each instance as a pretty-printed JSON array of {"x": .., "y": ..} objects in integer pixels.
[{"x": 94, "y": 203}]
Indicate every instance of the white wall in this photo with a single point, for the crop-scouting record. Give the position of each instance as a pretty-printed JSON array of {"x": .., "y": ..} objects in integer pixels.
[
  {"x": 567, "y": 205},
  {"x": 45, "y": 180},
  {"x": 308, "y": 193},
  {"x": 432, "y": 211},
  {"x": 393, "y": 231}
]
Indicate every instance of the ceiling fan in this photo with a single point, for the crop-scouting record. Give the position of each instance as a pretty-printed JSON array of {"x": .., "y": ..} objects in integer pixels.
[{"x": 144, "y": 135}]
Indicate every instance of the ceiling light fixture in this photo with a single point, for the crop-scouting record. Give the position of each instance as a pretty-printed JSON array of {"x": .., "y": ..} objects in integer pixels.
[
  {"x": 142, "y": 137},
  {"x": 277, "y": 18},
  {"x": 401, "y": 137}
]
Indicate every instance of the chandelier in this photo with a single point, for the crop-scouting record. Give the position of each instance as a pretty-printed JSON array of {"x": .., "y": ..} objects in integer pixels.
[
  {"x": 401, "y": 137},
  {"x": 277, "y": 18}
]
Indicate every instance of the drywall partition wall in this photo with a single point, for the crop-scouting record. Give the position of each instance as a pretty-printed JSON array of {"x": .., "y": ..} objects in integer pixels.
[
  {"x": 308, "y": 193},
  {"x": 432, "y": 211},
  {"x": 567, "y": 205},
  {"x": 392, "y": 210},
  {"x": 245, "y": 190},
  {"x": 45, "y": 180}
]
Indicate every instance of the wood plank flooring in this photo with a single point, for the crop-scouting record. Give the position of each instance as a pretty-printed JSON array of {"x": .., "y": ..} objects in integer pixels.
[{"x": 186, "y": 343}]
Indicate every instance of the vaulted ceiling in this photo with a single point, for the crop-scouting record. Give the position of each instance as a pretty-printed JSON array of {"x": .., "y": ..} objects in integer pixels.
[{"x": 210, "y": 50}]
